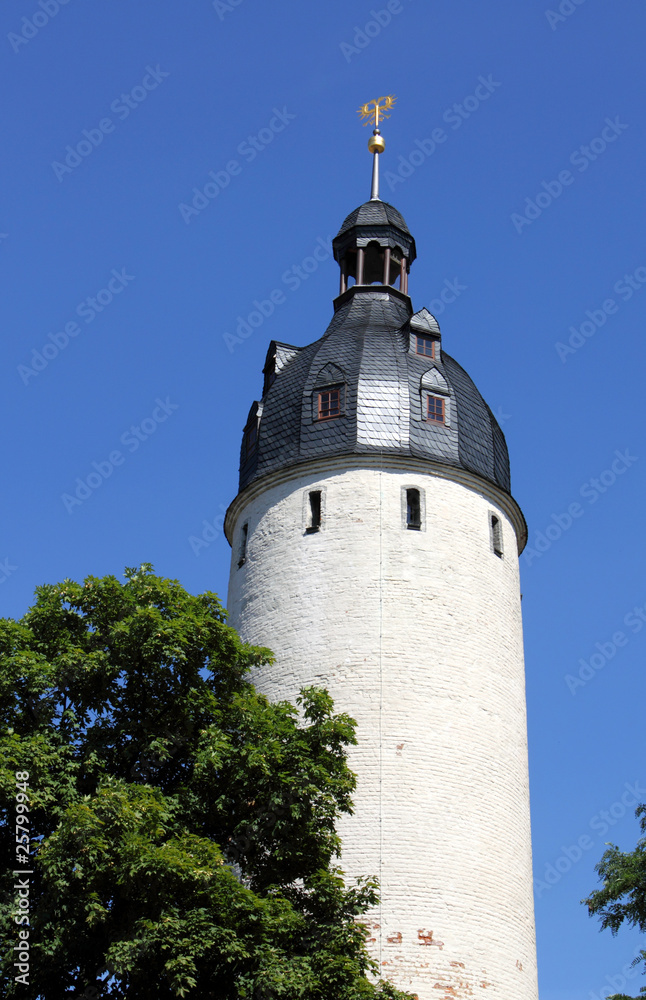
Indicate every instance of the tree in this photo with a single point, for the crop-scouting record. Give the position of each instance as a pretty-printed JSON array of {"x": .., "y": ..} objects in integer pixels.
[
  {"x": 623, "y": 894},
  {"x": 182, "y": 827}
]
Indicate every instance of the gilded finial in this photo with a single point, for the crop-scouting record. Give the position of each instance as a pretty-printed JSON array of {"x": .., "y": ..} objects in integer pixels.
[{"x": 372, "y": 112}]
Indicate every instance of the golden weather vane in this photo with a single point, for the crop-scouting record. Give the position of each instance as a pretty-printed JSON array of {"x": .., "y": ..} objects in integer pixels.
[
  {"x": 372, "y": 112},
  {"x": 377, "y": 109}
]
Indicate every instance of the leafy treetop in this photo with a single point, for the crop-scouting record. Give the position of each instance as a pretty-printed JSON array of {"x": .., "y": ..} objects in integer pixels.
[
  {"x": 183, "y": 827},
  {"x": 622, "y": 897}
]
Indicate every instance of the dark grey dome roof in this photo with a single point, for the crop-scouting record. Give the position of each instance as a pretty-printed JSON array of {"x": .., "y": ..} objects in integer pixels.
[
  {"x": 374, "y": 213},
  {"x": 367, "y": 350},
  {"x": 374, "y": 221}
]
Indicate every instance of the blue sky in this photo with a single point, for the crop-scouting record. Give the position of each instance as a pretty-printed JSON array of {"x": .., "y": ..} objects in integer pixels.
[{"x": 526, "y": 196}]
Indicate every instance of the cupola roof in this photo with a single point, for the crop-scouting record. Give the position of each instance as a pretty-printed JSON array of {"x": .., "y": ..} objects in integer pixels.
[
  {"x": 374, "y": 213},
  {"x": 374, "y": 221}
]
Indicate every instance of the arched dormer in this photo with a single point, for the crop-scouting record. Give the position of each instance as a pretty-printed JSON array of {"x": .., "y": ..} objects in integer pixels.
[
  {"x": 435, "y": 398},
  {"x": 277, "y": 357},
  {"x": 329, "y": 393},
  {"x": 249, "y": 449}
]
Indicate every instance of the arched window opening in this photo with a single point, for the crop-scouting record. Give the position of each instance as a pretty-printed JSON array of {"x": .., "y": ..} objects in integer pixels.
[
  {"x": 374, "y": 265},
  {"x": 413, "y": 508}
]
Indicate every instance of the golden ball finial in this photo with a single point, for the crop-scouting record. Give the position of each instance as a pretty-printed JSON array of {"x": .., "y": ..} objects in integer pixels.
[{"x": 376, "y": 142}]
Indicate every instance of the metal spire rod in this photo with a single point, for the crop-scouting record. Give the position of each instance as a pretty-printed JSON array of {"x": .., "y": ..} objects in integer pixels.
[
  {"x": 374, "y": 194},
  {"x": 372, "y": 111}
]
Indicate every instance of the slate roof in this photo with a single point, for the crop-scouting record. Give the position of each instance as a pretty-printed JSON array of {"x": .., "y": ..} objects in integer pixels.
[
  {"x": 372, "y": 213},
  {"x": 369, "y": 351},
  {"x": 374, "y": 221}
]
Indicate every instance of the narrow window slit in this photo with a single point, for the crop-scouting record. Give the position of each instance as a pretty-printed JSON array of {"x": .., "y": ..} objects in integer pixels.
[
  {"x": 314, "y": 512},
  {"x": 243, "y": 545},
  {"x": 496, "y": 535},
  {"x": 413, "y": 510}
]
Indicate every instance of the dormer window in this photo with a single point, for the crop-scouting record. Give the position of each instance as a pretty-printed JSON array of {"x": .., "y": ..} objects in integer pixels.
[
  {"x": 278, "y": 357},
  {"x": 250, "y": 440},
  {"x": 425, "y": 346},
  {"x": 435, "y": 398},
  {"x": 435, "y": 409},
  {"x": 328, "y": 393},
  {"x": 330, "y": 402},
  {"x": 251, "y": 434},
  {"x": 425, "y": 335},
  {"x": 270, "y": 374}
]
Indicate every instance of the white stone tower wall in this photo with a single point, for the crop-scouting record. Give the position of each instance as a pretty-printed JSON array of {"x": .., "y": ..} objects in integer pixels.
[{"x": 418, "y": 636}]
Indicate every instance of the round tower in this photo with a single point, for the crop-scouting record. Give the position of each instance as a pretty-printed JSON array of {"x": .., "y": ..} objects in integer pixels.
[{"x": 375, "y": 549}]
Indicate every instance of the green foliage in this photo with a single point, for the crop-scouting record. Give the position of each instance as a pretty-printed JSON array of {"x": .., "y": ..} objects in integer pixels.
[
  {"x": 183, "y": 828},
  {"x": 622, "y": 897}
]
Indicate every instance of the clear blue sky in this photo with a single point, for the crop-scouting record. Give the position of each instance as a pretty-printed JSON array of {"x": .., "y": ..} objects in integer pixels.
[{"x": 198, "y": 82}]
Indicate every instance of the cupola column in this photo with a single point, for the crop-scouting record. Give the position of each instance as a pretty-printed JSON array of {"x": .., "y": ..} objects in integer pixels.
[
  {"x": 387, "y": 266},
  {"x": 361, "y": 253},
  {"x": 402, "y": 274}
]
